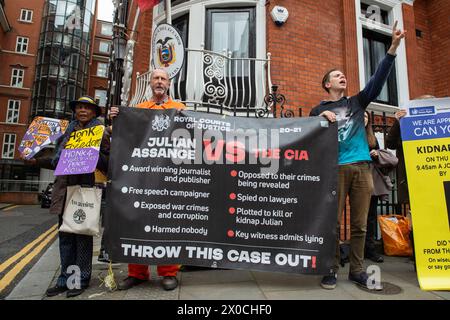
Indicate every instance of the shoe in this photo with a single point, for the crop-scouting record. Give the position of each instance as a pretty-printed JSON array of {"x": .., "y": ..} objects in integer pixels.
[
  {"x": 376, "y": 258},
  {"x": 329, "y": 282},
  {"x": 74, "y": 292},
  {"x": 54, "y": 291},
  {"x": 169, "y": 283},
  {"x": 129, "y": 282},
  {"x": 359, "y": 278}
]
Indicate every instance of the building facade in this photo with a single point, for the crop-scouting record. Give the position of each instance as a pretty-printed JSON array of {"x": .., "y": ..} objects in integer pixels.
[
  {"x": 64, "y": 56},
  {"x": 100, "y": 62},
  {"x": 352, "y": 35},
  {"x": 46, "y": 53},
  {"x": 19, "y": 48}
]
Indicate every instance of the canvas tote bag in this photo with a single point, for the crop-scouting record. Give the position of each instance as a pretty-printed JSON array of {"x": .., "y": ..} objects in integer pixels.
[{"x": 82, "y": 211}]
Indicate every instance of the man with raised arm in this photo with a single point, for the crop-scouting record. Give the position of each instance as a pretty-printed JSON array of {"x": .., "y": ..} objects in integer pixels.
[{"x": 354, "y": 175}]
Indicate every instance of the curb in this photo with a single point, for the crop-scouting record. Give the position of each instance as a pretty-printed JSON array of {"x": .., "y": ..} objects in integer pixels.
[
  {"x": 39, "y": 278},
  {"x": 7, "y": 205}
]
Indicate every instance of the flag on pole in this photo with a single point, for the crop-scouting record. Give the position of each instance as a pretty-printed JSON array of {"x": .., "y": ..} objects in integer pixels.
[{"x": 147, "y": 4}]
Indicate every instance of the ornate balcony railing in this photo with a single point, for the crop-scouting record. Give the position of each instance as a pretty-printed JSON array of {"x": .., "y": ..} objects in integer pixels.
[{"x": 217, "y": 83}]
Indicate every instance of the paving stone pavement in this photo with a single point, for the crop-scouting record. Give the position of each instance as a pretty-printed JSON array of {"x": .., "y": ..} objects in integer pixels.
[{"x": 210, "y": 284}]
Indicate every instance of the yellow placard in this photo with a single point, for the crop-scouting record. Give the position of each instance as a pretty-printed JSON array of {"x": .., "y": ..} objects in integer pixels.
[
  {"x": 426, "y": 176},
  {"x": 86, "y": 138},
  {"x": 426, "y": 145}
]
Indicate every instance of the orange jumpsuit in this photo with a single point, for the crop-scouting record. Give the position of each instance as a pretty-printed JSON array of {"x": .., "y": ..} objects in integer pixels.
[{"x": 140, "y": 271}]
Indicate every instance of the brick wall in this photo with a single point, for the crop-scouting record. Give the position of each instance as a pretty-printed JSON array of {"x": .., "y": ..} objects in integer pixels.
[
  {"x": 439, "y": 23},
  {"x": 419, "y": 50},
  {"x": 95, "y": 82},
  {"x": 25, "y": 61},
  {"x": 309, "y": 44},
  {"x": 413, "y": 50},
  {"x": 428, "y": 54}
]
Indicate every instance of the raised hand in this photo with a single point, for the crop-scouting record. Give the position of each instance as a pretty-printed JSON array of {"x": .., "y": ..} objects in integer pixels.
[{"x": 397, "y": 36}]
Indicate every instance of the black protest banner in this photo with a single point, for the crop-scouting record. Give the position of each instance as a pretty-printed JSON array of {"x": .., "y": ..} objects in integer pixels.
[{"x": 240, "y": 193}]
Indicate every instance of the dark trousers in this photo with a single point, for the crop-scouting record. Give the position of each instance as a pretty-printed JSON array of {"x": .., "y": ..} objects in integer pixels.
[
  {"x": 371, "y": 226},
  {"x": 75, "y": 250}
]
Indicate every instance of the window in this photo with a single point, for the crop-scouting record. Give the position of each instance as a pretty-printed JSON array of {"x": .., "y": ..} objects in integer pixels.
[
  {"x": 374, "y": 31},
  {"x": 107, "y": 29},
  {"x": 375, "y": 47},
  {"x": 17, "y": 78},
  {"x": 26, "y": 15},
  {"x": 233, "y": 30},
  {"x": 9, "y": 144},
  {"x": 374, "y": 12},
  {"x": 100, "y": 95},
  {"x": 71, "y": 93},
  {"x": 102, "y": 69},
  {"x": 236, "y": 83},
  {"x": 12, "y": 115},
  {"x": 104, "y": 47},
  {"x": 11, "y": 177},
  {"x": 22, "y": 45}
]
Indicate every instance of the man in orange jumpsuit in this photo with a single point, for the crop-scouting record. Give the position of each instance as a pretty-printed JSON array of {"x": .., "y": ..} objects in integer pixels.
[{"x": 137, "y": 273}]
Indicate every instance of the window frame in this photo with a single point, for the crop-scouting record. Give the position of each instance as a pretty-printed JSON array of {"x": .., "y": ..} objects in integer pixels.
[
  {"x": 240, "y": 77},
  {"x": 106, "y": 96},
  {"x": 8, "y": 145},
  {"x": 98, "y": 68},
  {"x": 197, "y": 36},
  {"x": 108, "y": 43},
  {"x": 16, "y": 77},
  {"x": 108, "y": 26},
  {"x": 395, "y": 13},
  {"x": 22, "y": 44},
  {"x": 27, "y": 12},
  {"x": 14, "y": 113},
  {"x": 392, "y": 79},
  {"x": 385, "y": 19},
  {"x": 252, "y": 27}
]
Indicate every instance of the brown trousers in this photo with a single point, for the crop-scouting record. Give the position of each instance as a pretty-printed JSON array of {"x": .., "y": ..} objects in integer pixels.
[{"x": 354, "y": 180}]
